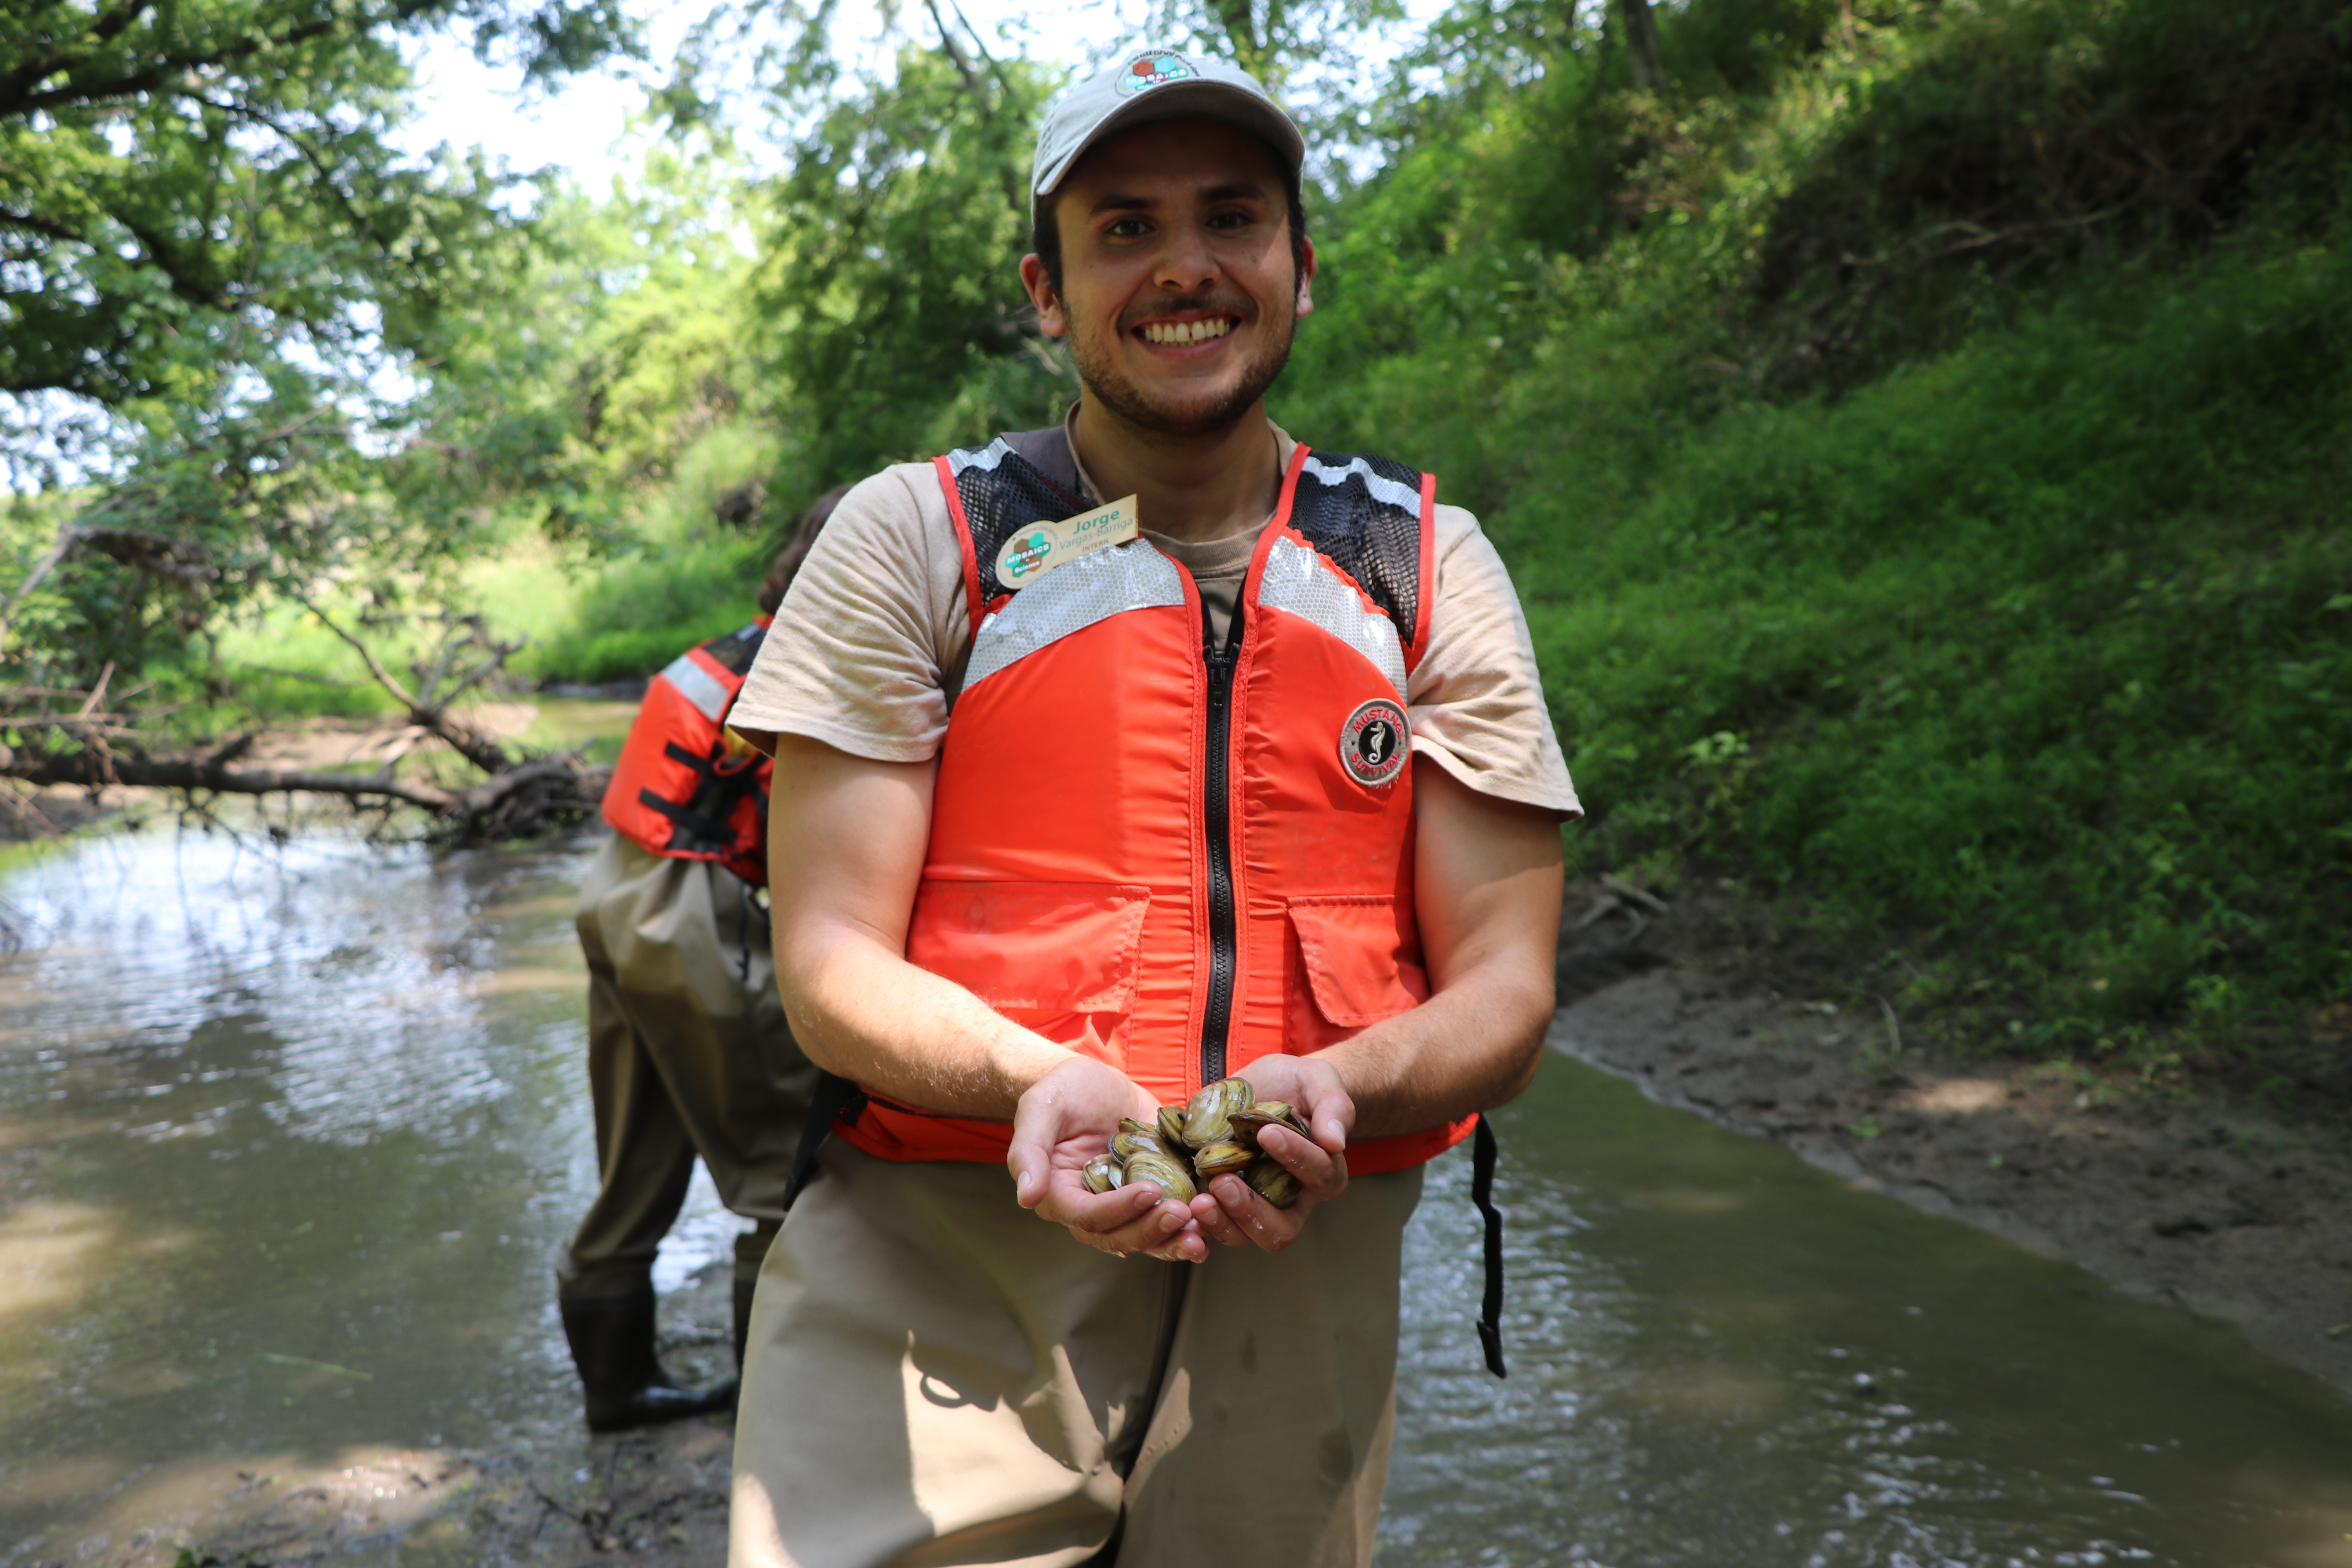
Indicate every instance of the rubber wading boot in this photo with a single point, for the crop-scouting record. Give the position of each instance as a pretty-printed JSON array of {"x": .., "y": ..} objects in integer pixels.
[
  {"x": 613, "y": 1346},
  {"x": 744, "y": 1289}
]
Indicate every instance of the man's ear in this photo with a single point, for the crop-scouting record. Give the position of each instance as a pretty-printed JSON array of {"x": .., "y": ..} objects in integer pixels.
[
  {"x": 1306, "y": 306},
  {"x": 1048, "y": 304}
]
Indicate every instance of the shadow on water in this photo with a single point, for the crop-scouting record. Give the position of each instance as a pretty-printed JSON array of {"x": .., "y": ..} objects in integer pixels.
[
  {"x": 286, "y": 1141},
  {"x": 1721, "y": 1355}
]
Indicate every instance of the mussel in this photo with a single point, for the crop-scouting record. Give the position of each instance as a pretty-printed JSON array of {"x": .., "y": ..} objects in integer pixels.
[
  {"x": 1219, "y": 1158},
  {"x": 1164, "y": 1171},
  {"x": 1212, "y": 1134},
  {"x": 1134, "y": 1138},
  {"x": 1103, "y": 1174},
  {"x": 1267, "y": 1113},
  {"x": 1208, "y": 1114},
  {"x": 1272, "y": 1180}
]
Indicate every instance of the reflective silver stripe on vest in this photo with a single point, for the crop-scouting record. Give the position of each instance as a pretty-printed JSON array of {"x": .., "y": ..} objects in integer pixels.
[
  {"x": 984, "y": 458},
  {"x": 1070, "y": 598},
  {"x": 1382, "y": 489},
  {"x": 700, "y": 687},
  {"x": 1301, "y": 582}
]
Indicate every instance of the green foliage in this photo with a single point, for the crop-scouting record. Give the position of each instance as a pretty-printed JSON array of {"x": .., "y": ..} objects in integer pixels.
[
  {"x": 2031, "y": 646},
  {"x": 192, "y": 188},
  {"x": 2035, "y": 643},
  {"x": 889, "y": 297}
]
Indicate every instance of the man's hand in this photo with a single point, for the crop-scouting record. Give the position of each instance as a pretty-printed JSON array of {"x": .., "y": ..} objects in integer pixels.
[
  {"x": 1068, "y": 1118},
  {"x": 1234, "y": 1213}
]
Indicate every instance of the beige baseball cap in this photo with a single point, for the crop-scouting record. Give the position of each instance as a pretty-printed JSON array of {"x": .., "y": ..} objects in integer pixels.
[{"x": 1156, "y": 84}]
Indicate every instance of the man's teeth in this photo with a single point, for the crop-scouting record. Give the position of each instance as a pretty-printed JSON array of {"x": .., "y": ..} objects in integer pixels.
[{"x": 1187, "y": 331}]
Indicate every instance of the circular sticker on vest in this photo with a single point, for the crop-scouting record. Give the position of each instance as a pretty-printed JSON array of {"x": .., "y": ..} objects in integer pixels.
[
  {"x": 1150, "y": 70},
  {"x": 1372, "y": 742}
]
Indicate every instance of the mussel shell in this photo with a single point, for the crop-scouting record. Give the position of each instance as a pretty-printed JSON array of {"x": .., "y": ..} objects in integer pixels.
[
  {"x": 1207, "y": 1115},
  {"x": 1267, "y": 1114},
  {"x": 1136, "y": 1139},
  {"x": 1271, "y": 1179},
  {"x": 1129, "y": 1124},
  {"x": 1103, "y": 1174},
  {"x": 1168, "y": 1174},
  {"x": 1219, "y": 1158},
  {"x": 1172, "y": 1127}
]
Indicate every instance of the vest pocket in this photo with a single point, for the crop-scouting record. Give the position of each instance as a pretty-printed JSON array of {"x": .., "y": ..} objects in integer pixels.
[
  {"x": 1055, "y": 957},
  {"x": 1354, "y": 958}
]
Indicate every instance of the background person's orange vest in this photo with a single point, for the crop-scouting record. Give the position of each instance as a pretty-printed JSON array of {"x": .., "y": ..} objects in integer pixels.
[
  {"x": 684, "y": 788},
  {"x": 1173, "y": 858}
]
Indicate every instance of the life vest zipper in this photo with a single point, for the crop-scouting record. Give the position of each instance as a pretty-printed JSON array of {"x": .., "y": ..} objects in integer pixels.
[{"x": 1216, "y": 826}]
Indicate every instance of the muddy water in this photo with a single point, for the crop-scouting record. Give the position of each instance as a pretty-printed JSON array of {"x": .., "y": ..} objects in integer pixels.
[{"x": 286, "y": 1137}]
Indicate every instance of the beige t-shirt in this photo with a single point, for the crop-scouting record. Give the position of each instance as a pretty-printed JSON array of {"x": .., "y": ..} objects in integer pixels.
[{"x": 858, "y": 653}]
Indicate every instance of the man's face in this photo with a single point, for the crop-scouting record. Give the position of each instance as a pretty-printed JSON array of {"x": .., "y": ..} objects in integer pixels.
[{"x": 1178, "y": 294}]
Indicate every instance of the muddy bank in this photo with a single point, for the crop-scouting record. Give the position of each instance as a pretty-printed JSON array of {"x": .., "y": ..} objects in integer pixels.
[{"x": 2210, "y": 1202}]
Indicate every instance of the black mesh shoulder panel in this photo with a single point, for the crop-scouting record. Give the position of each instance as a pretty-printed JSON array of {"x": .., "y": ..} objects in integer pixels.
[
  {"x": 1352, "y": 507},
  {"x": 1003, "y": 493}
]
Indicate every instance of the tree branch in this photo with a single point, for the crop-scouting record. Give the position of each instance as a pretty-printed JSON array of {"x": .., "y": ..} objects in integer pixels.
[
  {"x": 424, "y": 711},
  {"x": 68, "y": 535},
  {"x": 154, "y": 76},
  {"x": 32, "y": 73}
]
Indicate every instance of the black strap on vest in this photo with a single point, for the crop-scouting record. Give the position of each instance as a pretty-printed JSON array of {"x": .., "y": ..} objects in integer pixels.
[
  {"x": 835, "y": 1099},
  {"x": 1483, "y": 1153}
]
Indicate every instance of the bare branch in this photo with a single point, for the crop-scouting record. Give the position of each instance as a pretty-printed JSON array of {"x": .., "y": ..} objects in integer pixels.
[
  {"x": 426, "y": 712},
  {"x": 67, "y": 534},
  {"x": 383, "y": 677}
]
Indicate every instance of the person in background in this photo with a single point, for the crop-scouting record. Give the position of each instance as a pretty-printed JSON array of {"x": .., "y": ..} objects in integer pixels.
[{"x": 688, "y": 1052}]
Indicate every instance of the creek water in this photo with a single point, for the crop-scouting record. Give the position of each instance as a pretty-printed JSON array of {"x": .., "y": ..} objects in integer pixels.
[{"x": 289, "y": 1133}]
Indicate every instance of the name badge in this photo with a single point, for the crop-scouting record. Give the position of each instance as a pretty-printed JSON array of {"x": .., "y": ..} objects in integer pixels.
[{"x": 1037, "y": 549}]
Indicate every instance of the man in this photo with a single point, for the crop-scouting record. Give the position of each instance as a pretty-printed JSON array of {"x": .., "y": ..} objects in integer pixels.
[
  {"x": 1092, "y": 819},
  {"x": 688, "y": 1052}
]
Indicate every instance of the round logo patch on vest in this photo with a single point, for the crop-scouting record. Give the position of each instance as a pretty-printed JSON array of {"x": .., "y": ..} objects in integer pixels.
[
  {"x": 1150, "y": 70},
  {"x": 1373, "y": 743}
]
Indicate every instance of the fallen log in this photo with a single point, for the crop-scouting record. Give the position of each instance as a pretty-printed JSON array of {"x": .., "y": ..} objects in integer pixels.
[{"x": 513, "y": 803}]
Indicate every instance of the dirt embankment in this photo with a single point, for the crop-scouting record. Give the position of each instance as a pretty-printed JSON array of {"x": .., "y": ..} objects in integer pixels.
[{"x": 2216, "y": 1203}]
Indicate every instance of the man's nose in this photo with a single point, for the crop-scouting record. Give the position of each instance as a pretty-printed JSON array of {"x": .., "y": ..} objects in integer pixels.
[{"x": 1186, "y": 263}]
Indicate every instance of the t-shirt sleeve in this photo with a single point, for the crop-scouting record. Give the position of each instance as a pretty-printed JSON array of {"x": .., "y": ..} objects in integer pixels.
[
  {"x": 856, "y": 655},
  {"x": 1476, "y": 700}
]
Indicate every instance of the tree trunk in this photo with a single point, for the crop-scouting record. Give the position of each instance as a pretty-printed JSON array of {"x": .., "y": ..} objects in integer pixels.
[{"x": 1641, "y": 44}]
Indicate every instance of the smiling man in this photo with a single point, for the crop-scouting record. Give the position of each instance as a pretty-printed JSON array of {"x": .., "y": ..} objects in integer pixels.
[{"x": 1113, "y": 759}]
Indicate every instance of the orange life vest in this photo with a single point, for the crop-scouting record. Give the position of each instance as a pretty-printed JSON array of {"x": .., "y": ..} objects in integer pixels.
[
  {"x": 1172, "y": 858},
  {"x": 685, "y": 788}
]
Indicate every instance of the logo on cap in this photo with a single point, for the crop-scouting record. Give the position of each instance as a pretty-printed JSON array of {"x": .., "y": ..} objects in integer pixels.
[
  {"x": 1372, "y": 742},
  {"x": 1151, "y": 71}
]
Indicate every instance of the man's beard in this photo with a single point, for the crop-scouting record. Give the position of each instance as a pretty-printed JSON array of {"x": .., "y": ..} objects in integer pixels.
[{"x": 1123, "y": 397}]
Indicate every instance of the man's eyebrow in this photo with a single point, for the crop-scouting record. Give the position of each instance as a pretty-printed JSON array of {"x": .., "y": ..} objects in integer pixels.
[
  {"x": 1233, "y": 191},
  {"x": 1120, "y": 202}
]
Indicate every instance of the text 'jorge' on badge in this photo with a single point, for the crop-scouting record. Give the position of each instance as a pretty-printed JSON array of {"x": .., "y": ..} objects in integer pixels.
[{"x": 1035, "y": 549}]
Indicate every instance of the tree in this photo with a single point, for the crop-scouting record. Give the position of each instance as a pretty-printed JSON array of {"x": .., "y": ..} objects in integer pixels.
[
  {"x": 1272, "y": 39},
  {"x": 190, "y": 188},
  {"x": 1642, "y": 55},
  {"x": 889, "y": 292},
  {"x": 207, "y": 245}
]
